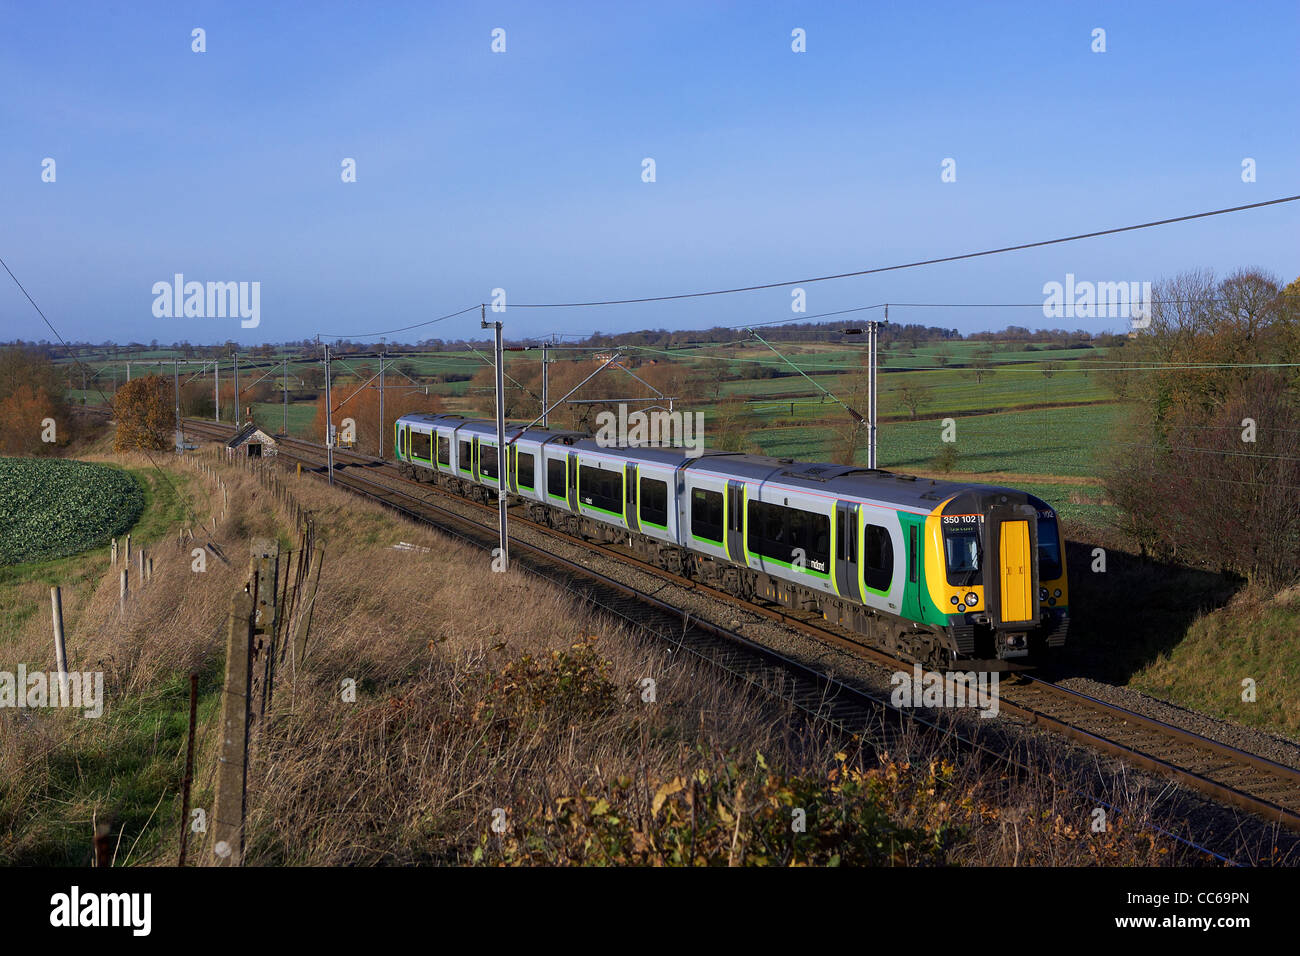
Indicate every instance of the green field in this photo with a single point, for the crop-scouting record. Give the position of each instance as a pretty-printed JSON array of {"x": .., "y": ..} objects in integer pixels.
[
  {"x": 272, "y": 414},
  {"x": 1047, "y": 441},
  {"x": 54, "y": 507}
]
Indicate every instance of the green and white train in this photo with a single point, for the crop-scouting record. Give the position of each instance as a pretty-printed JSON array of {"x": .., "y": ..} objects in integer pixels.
[{"x": 936, "y": 571}]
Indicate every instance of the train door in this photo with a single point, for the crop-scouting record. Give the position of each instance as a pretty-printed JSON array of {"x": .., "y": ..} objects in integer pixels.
[
  {"x": 847, "y": 550},
  {"x": 735, "y": 541},
  {"x": 571, "y": 477},
  {"x": 631, "y": 514},
  {"x": 1010, "y": 568},
  {"x": 512, "y": 471}
]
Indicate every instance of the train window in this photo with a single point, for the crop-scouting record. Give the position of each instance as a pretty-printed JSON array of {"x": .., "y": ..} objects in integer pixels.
[
  {"x": 524, "y": 469},
  {"x": 878, "y": 564},
  {"x": 602, "y": 490},
  {"x": 420, "y": 445},
  {"x": 444, "y": 450},
  {"x": 846, "y": 536},
  {"x": 555, "y": 477},
  {"x": 781, "y": 533},
  {"x": 913, "y": 565},
  {"x": 401, "y": 442},
  {"x": 654, "y": 502},
  {"x": 487, "y": 461},
  {"x": 1049, "y": 550},
  {"x": 706, "y": 515},
  {"x": 464, "y": 458},
  {"x": 962, "y": 552}
]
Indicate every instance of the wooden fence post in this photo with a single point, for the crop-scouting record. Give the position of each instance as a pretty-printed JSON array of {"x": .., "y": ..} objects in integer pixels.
[
  {"x": 189, "y": 768},
  {"x": 122, "y": 592},
  {"x": 60, "y": 651},
  {"x": 232, "y": 773},
  {"x": 304, "y": 615}
]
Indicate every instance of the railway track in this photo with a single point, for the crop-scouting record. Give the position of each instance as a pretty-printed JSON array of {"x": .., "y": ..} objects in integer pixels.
[{"x": 1226, "y": 774}]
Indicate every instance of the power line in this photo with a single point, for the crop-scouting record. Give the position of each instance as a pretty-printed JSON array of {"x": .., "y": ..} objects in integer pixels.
[
  {"x": 83, "y": 366},
  {"x": 907, "y": 265},
  {"x": 405, "y": 328}
]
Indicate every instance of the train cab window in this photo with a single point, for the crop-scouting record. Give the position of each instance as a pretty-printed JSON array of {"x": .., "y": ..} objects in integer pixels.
[
  {"x": 706, "y": 515},
  {"x": 487, "y": 461},
  {"x": 602, "y": 490},
  {"x": 1049, "y": 549},
  {"x": 444, "y": 450},
  {"x": 420, "y": 445},
  {"x": 524, "y": 469},
  {"x": 465, "y": 458},
  {"x": 878, "y": 559},
  {"x": 780, "y": 533},
  {"x": 654, "y": 502},
  {"x": 962, "y": 553}
]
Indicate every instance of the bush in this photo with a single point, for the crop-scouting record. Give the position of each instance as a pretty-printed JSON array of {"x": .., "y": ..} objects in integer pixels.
[{"x": 946, "y": 459}]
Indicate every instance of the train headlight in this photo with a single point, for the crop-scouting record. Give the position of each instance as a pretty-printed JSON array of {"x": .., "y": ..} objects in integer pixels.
[
  {"x": 955, "y": 599},
  {"x": 1056, "y": 593},
  {"x": 972, "y": 599}
]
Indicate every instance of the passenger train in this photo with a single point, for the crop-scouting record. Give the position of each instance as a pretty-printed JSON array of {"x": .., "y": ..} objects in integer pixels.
[{"x": 937, "y": 571}]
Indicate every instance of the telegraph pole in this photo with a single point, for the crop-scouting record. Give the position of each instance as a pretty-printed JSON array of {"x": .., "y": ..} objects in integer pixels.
[
  {"x": 176, "y": 387},
  {"x": 329, "y": 419},
  {"x": 236, "y": 390},
  {"x": 285, "y": 389},
  {"x": 546, "y": 347},
  {"x": 499, "y": 356},
  {"x": 381, "y": 401},
  {"x": 216, "y": 386},
  {"x": 871, "y": 389},
  {"x": 873, "y": 330}
]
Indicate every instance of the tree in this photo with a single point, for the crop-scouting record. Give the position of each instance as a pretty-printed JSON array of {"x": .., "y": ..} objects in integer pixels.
[
  {"x": 1201, "y": 471},
  {"x": 946, "y": 459},
  {"x": 146, "y": 416},
  {"x": 27, "y": 414},
  {"x": 981, "y": 365},
  {"x": 912, "y": 395},
  {"x": 32, "y": 390},
  {"x": 363, "y": 409}
]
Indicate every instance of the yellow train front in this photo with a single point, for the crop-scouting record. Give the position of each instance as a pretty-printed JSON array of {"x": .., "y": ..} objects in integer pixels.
[{"x": 995, "y": 564}]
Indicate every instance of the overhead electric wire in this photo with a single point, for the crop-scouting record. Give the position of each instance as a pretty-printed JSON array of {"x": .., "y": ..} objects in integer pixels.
[
  {"x": 405, "y": 328},
  {"x": 82, "y": 365},
  {"x": 908, "y": 265}
]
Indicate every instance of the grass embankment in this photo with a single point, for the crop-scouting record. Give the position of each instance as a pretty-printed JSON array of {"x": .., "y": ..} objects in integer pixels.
[
  {"x": 60, "y": 770},
  {"x": 1255, "y": 637},
  {"x": 480, "y": 698}
]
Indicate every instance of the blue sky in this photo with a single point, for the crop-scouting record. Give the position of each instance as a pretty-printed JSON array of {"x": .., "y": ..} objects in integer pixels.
[{"x": 522, "y": 170}]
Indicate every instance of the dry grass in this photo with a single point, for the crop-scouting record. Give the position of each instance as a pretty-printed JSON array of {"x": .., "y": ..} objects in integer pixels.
[{"x": 479, "y": 692}]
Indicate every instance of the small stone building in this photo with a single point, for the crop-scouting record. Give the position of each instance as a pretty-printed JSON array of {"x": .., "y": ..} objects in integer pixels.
[{"x": 251, "y": 442}]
